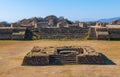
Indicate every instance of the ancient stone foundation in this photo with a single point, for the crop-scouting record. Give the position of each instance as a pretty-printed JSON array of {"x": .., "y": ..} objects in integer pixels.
[
  {"x": 63, "y": 55},
  {"x": 87, "y": 59},
  {"x": 36, "y": 60},
  {"x": 62, "y": 33}
]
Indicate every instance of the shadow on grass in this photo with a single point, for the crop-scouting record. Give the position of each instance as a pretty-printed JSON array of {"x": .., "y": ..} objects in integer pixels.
[{"x": 107, "y": 60}]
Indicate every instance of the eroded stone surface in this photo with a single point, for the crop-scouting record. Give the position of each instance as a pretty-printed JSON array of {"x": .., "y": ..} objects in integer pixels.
[{"x": 63, "y": 55}]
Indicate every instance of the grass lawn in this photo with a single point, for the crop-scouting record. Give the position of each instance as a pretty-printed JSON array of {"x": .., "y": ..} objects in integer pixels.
[{"x": 13, "y": 52}]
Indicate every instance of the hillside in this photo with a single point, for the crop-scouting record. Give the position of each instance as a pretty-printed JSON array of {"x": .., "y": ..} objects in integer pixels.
[
  {"x": 117, "y": 22},
  {"x": 109, "y": 19}
]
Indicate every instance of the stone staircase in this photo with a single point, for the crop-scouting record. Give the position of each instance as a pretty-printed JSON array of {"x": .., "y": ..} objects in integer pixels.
[
  {"x": 55, "y": 60},
  {"x": 64, "y": 59},
  {"x": 69, "y": 59},
  {"x": 92, "y": 35},
  {"x": 62, "y": 33}
]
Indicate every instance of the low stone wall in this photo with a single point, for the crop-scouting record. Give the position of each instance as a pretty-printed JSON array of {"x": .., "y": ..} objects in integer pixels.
[
  {"x": 90, "y": 59},
  {"x": 36, "y": 60}
]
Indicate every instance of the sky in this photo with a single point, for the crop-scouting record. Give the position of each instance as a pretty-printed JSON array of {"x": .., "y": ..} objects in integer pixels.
[{"x": 14, "y": 10}]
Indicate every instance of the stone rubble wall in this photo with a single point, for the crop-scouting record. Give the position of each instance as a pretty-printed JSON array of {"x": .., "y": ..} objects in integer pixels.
[
  {"x": 36, "y": 60},
  {"x": 59, "y": 33},
  {"x": 90, "y": 59},
  {"x": 106, "y": 33},
  {"x": 114, "y": 33}
]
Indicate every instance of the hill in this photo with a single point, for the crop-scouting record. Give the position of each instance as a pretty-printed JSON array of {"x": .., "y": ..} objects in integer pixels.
[
  {"x": 117, "y": 22},
  {"x": 109, "y": 19}
]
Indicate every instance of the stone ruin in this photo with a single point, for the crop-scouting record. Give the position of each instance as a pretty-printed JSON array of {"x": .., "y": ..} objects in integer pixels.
[
  {"x": 63, "y": 55},
  {"x": 72, "y": 32}
]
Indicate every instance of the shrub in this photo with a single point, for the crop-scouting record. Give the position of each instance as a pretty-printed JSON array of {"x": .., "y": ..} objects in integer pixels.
[{"x": 35, "y": 36}]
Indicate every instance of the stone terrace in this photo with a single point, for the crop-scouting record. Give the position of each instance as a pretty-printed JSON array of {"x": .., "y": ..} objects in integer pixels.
[{"x": 58, "y": 33}]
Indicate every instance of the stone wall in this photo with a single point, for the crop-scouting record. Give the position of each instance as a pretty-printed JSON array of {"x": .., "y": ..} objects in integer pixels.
[
  {"x": 114, "y": 33},
  {"x": 60, "y": 33},
  {"x": 102, "y": 33},
  {"x": 108, "y": 33},
  {"x": 12, "y": 33},
  {"x": 36, "y": 60},
  {"x": 90, "y": 59}
]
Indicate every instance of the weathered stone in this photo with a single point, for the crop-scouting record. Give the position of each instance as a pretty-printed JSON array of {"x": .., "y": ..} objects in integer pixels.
[
  {"x": 36, "y": 49},
  {"x": 63, "y": 55}
]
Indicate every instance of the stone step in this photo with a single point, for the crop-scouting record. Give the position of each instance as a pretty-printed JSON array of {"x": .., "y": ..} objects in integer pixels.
[{"x": 69, "y": 60}]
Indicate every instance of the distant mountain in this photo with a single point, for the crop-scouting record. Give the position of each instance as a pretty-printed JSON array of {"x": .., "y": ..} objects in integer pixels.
[
  {"x": 88, "y": 20},
  {"x": 4, "y": 24},
  {"x": 109, "y": 19},
  {"x": 117, "y": 22}
]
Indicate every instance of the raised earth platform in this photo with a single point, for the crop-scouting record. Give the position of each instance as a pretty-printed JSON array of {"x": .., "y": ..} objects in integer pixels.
[{"x": 63, "y": 55}]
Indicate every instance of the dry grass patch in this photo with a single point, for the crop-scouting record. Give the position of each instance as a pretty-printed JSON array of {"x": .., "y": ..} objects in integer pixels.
[{"x": 13, "y": 52}]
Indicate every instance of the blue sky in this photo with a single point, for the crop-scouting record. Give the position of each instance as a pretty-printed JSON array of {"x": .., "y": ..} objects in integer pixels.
[{"x": 14, "y": 10}]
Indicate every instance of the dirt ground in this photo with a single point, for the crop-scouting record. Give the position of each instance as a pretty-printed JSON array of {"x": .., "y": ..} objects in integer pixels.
[{"x": 13, "y": 52}]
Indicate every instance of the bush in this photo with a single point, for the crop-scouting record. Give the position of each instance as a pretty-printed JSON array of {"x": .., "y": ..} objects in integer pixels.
[{"x": 35, "y": 36}]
